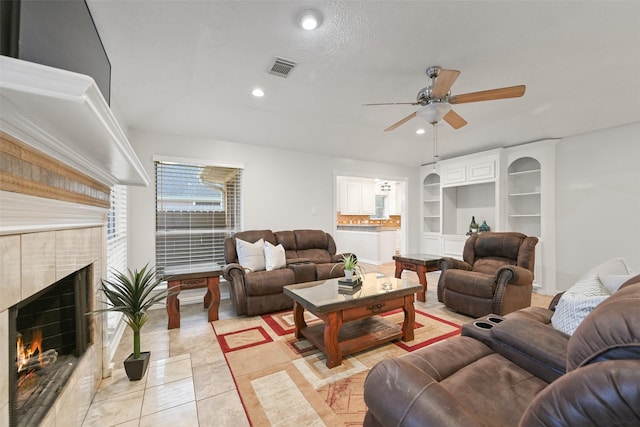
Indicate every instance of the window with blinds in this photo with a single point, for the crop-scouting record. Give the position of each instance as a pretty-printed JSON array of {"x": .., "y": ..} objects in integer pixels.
[
  {"x": 197, "y": 207},
  {"x": 116, "y": 243}
]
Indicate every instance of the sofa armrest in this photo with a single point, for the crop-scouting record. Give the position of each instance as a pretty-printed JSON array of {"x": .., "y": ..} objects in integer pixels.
[
  {"x": 340, "y": 257},
  {"x": 534, "y": 346},
  {"x": 234, "y": 274},
  {"x": 399, "y": 393}
]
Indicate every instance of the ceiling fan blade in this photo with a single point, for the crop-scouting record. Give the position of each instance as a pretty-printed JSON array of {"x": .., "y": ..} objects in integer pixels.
[
  {"x": 398, "y": 123},
  {"x": 444, "y": 81},
  {"x": 489, "y": 95},
  {"x": 392, "y": 103},
  {"x": 454, "y": 119}
]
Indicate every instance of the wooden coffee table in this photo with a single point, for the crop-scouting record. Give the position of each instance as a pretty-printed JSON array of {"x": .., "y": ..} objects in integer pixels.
[
  {"x": 351, "y": 321},
  {"x": 421, "y": 264}
]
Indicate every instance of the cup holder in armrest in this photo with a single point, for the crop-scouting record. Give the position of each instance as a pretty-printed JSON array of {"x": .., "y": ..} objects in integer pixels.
[
  {"x": 483, "y": 325},
  {"x": 495, "y": 319}
]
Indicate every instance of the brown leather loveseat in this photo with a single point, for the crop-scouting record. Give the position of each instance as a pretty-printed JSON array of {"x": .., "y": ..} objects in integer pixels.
[
  {"x": 310, "y": 255},
  {"x": 515, "y": 380}
]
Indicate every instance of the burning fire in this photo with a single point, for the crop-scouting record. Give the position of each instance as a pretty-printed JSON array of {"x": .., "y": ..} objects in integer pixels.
[{"x": 26, "y": 356}]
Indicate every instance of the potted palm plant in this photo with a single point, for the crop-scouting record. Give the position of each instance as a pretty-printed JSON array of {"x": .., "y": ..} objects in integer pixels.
[{"x": 133, "y": 294}]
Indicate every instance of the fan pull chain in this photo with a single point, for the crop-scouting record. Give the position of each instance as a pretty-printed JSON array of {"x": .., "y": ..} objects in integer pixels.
[{"x": 435, "y": 144}]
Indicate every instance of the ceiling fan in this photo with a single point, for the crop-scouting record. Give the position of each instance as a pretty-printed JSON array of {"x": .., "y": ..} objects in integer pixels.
[{"x": 436, "y": 99}]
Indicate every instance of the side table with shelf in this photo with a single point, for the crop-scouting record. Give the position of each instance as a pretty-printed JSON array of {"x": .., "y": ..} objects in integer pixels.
[{"x": 193, "y": 277}]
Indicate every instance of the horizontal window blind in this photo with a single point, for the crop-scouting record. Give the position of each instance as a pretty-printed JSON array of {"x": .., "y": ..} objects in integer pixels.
[
  {"x": 197, "y": 207},
  {"x": 116, "y": 243}
]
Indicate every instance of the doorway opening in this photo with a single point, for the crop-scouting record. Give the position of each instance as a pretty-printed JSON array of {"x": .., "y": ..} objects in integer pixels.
[{"x": 371, "y": 217}]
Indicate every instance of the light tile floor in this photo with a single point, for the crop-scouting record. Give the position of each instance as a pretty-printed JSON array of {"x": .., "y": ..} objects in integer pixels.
[{"x": 188, "y": 382}]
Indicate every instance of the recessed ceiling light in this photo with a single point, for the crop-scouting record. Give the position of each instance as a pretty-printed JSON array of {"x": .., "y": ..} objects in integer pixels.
[
  {"x": 420, "y": 131},
  {"x": 309, "y": 19},
  {"x": 257, "y": 92}
]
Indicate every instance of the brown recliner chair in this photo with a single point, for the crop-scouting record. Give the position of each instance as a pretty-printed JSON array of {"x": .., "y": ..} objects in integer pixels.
[{"x": 495, "y": 275}]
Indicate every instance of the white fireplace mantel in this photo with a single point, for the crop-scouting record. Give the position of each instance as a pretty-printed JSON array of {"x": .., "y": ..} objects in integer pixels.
[{"x": 64, "y": 115}]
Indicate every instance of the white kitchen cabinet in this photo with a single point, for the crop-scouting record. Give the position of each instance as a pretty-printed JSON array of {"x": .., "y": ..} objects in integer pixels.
[
  {"x": 357, "y": 198},
  {"x": 368, "y": 199}
]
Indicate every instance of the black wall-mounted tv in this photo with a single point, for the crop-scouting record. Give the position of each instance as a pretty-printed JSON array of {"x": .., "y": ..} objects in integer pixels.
[{"x": 57, "y": 33}]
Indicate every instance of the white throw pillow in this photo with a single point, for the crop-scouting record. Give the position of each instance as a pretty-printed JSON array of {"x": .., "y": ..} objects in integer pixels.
[
  {"x": 274, "y": 256},
  {"x": 578, "y": 301},
  {"x": 251, "y": 255},
  {"x": 612, "y": 282}
]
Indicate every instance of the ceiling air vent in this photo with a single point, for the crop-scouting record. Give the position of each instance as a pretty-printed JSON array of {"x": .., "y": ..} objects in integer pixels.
[{"x": 282, "y": 67}]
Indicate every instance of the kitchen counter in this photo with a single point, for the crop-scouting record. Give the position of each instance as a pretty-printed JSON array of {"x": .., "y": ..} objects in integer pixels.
[
  {"x": 372, "y": 244},
  {"x": 365, "y": 227}
]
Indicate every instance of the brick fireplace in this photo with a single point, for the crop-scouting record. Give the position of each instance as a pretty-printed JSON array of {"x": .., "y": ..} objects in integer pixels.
[{"x": 61, "y": 150}]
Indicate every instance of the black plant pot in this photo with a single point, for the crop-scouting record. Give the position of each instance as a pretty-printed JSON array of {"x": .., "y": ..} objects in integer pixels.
[{"x": 136, "y": 368}]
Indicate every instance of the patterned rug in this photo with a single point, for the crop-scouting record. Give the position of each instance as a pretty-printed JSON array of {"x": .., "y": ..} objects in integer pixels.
[{"x": 283, "y": 381}]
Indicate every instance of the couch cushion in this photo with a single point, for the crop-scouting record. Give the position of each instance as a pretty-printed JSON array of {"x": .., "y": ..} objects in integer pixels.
[
  {"x": 577, "y": 302},
  {"x": 288, "y": 240},
  {"x": 490, "y": 265},
  {"x": 502, "y": 245},
  {"x": 274, "y": 257},
  {"x": 470, "y": 283},
  {"x": 251, "y": 255},
  {"x": 268, "y": 282},
  {"x": 311, "y": 239}
]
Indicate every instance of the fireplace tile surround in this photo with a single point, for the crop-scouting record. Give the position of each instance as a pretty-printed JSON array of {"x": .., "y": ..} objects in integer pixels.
[{"x": 29, "y": 263}]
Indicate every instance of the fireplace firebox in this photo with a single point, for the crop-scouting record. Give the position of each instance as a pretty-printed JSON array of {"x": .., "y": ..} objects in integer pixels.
[{"x": 48, "y": 332}]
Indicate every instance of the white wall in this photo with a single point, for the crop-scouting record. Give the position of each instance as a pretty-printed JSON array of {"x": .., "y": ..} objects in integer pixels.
[
  {"x": 597, "y": 201},
  {"x": 281, "y": 188}
]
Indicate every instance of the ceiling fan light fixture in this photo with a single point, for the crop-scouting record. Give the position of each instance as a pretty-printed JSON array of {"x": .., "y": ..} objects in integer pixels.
[
  {"x": 309, "y": 19},
  {"x": 434, "y": 112}
]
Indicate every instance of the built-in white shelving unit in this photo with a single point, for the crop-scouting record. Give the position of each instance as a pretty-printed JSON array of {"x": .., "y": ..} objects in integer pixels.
[
  {"x": 524, "y": 196},
  {"x": 512, "y": 189},
  {"x": 431, "y": 203},
  {"x": 530, "y": 204}
]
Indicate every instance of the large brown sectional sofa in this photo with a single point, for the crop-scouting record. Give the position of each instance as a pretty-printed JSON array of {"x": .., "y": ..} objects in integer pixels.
[
  {"x": 518, "y": 370},
  {"x": 310, "y": 255}
]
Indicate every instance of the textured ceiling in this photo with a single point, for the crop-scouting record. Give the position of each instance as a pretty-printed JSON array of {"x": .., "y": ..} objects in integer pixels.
[{"x": 188, "y": 68}]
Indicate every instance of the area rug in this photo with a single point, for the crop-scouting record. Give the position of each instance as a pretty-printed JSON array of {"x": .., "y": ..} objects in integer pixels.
[{"x": 284, "y": 381}]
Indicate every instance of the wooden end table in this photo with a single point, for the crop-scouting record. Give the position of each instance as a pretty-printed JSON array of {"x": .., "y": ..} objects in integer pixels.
[
  {"x": 421, "y": 264},
  {"x": 194, "y": 277},
  {"x": 351, "y": 321}
]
